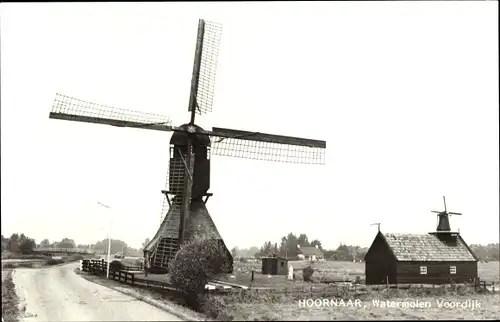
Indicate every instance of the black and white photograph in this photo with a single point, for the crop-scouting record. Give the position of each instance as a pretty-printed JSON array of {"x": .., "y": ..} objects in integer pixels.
[{"x": 250, "y": 161}]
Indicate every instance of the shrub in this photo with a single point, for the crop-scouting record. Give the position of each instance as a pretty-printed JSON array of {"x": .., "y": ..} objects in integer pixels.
[
  {"x": 116, "y": 265},
  {"x": 196, "y": 262},
  {"x": 216, "y": 308},
  {"x": 54, "y": 261},
  {"x": 307, "y": 274},
  {"x": 73, "y": 258},
  {"x": 27, "y": 264}
]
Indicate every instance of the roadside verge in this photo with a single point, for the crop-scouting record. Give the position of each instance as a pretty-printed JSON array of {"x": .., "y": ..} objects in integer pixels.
[
  {"x": 158, "y": 300},
  {"x": 10, "y": 299}
]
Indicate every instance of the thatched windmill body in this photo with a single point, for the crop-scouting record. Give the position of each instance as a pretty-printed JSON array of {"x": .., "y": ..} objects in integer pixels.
[{"x": 188, "y": 181}]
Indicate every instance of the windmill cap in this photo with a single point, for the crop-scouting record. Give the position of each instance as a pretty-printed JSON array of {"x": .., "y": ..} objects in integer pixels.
[{"x": 180, "y": 138}]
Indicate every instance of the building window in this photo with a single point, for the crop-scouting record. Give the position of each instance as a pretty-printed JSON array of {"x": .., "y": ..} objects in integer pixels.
[
  {"x": 453, "y": 269},
  {"x": 423, "y": 270},
  {"x": 282, "y": 264}
]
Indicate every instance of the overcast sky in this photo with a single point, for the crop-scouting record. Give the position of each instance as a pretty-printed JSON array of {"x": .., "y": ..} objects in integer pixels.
[{"x": 404, "y": 93}]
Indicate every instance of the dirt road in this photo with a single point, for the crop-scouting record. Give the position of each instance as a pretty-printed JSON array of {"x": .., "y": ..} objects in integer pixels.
[{"x": 58, "y": 294}]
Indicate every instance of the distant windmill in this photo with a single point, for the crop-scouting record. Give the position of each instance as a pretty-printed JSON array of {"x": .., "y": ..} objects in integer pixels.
[
  {"x": 443, "y": 220},
  {"x": 188, "y": 180}
]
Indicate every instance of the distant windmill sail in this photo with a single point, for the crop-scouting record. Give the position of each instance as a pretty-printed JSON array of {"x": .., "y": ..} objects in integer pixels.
[{"x": 443, "y": 218}]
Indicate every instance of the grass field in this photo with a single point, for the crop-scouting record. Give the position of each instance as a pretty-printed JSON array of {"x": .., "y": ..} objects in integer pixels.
[
  {"x": 279, "y": 306},
  {"x": 282, "y": 308},
  {"x": 489, "y": 272},
  {"x": 327, "y": 270}
]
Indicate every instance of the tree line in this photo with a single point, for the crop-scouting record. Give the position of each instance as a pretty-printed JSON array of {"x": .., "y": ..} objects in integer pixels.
[
  {"x": 18, "y": 243},
  {"x": 287, "y": 247},
  {"x": 21, "y": 244},
  {"x": 490, "y": 252}
]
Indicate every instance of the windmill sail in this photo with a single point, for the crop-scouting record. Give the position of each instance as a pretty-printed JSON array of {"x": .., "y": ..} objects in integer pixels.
[
  {"x": 74, "y": 109},
  {"x": 205, "y": 66},
  {"x": 267, "y": 147}
]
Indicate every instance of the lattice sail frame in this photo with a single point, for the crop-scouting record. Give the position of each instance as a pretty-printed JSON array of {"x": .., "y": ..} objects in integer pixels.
[
  {"x": 71, "y": 106},
  {"x": 205, "y": 89},
  {"x": 267, "y": 151}
]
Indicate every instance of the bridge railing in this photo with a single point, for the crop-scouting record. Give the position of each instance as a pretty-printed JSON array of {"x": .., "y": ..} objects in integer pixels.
[{"x": 63, "y": 250}]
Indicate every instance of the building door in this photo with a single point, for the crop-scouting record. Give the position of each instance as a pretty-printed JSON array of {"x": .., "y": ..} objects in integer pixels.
[{"x": 274, "y": 267}]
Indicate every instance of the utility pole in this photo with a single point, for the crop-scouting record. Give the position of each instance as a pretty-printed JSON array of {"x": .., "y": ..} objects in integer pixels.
[
  {"x": 378, "y": 225},
  {"x": 109, "y": 240}
]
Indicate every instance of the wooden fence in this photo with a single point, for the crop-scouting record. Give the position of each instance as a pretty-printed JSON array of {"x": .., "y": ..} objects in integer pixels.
[
  {"x": 125, "y": 275},
  {"x": 63, "y": 250}
]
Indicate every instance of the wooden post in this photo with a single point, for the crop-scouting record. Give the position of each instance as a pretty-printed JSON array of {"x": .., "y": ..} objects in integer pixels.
[
  {"x": 252, "y": 275},
  {"x": 188, "y": 189}
]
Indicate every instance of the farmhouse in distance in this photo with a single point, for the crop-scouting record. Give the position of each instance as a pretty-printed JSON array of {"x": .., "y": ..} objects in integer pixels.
[
  {"x": 439, "y": 257},
  {"x": 311, "y": 253}
]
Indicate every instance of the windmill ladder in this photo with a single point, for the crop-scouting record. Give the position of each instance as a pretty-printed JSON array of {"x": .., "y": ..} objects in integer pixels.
[{"x": 165, "y": 252}]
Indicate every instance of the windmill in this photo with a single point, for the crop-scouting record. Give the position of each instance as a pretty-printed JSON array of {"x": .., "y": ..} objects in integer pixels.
[
  {"x": 184, "y": 210},
  {"x": 443, "y": 220}
]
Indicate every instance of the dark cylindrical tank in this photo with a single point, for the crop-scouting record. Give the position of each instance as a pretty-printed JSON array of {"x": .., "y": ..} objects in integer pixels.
[{"x": 178, "y": 150}]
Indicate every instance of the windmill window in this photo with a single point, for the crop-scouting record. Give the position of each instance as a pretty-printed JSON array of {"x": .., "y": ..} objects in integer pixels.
[
  {"x": 208, "y": 153},
  {"x": 453, "y": 269},
  {"x": 171, "y": 152},
  {"x": 423, "y": 270}
]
